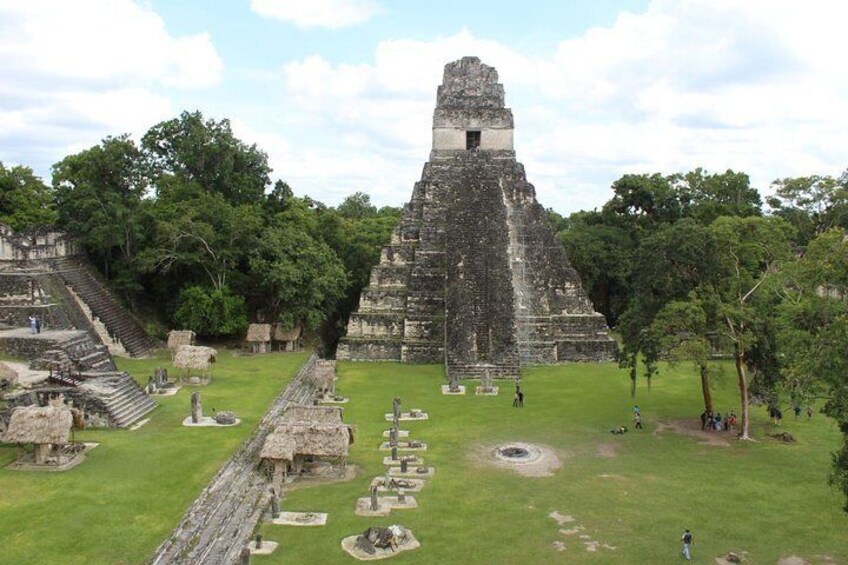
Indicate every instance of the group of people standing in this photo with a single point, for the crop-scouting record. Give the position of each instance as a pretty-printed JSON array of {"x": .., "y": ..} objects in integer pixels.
[
  {"x": 715, "y": 422},
  {"x": 34, "y": 324}
]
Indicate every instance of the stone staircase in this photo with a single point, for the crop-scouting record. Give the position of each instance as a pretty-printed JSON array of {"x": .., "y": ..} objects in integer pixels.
[
  {"x": 122, "y": 397},
  {"x": 99, "y": 299}
]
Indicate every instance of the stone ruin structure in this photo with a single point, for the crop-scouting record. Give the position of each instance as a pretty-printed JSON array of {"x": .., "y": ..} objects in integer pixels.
[
  {"x": 44, "y": 275},
  {"x": 474, "y": 275}
]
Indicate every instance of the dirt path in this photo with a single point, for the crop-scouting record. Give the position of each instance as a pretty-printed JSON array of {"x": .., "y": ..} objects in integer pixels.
[
  {"x": 692, "y": 429},
  {"x": 219, "y": 523}
]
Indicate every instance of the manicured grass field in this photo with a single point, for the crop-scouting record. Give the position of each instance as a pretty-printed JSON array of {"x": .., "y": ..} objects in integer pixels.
[
  {"x": 121, "y": 503},
  {"x": 765, "y": 498},
  {"x": 634, "y": 492}
]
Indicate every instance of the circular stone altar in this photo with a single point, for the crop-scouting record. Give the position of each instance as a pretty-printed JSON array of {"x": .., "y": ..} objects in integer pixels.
[{"x": 518, "y": 453}]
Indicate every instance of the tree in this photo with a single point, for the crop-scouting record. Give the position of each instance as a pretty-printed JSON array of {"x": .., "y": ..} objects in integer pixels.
[
  {"x": 99, "y": 196},
  {"x": 811, "y": 204},
  {"x": 747, "y": 252},
  {"x": 25, "y": 201},
  {"x": 669, "y": 264},
  {"x": 206, "y": 154},
  {"x": 299, "y": 274},
  {"x": 357, "y": 206},
  {"x": 211, "y": 312},
  {"x": 682, "y": 330},
  {"x": 205, "y": 232},
  {"x": 706, "y": 197},
  {"x": 814, "y": 335}
]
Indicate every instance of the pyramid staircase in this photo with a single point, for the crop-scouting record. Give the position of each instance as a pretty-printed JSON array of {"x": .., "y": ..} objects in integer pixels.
[
  {"x": 119, "y": 323},
  {"x": 124, "y": 400}
]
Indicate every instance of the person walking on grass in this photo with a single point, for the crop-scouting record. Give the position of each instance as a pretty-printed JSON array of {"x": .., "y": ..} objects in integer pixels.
[
  {"x": 637, "y": 421},
  {"x": 687, "y": 545},
  {"x": 521, "y": 399}
]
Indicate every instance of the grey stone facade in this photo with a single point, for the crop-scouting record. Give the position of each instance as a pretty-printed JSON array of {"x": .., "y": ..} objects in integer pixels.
[{"x": 474, "y": 276}]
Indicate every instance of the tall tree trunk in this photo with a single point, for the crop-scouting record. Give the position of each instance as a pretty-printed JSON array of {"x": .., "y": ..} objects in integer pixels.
[
  {"x": 705, "y": 387},
  {"x": 743, "y": 391},
  {"x": 632, "y": 386}
]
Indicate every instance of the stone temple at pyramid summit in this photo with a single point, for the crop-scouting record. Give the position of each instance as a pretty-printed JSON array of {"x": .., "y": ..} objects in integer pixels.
[{"x": 474, "y": 275}]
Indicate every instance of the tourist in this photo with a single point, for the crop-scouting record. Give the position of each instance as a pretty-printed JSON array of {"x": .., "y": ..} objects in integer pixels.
[
  {"x": 717, "y": 422},
  {"x": 635, "y": 409},
  {"x": 687, "y": 545},
  {"x": 521, "y": 399},
  {"x": 37, "y": 325},
  {"x": 797, "y": 410},
  {"x": 515, "y": 399},
  {"x": 637, "y": 420},
  {"x": 809, "y": 413},
  {"x": 704, "y": 420},
  {"x": 732, "y": 420},
  {"x": 32, "y": 324}
]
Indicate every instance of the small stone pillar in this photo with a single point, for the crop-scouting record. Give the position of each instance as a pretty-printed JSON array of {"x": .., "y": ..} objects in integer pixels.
[
  {"x": 401, "y": 495},
  {"x": 396, "y": 408},
  {"x": 404, "y": 465},
  {"x": 196, "y": 408},
  {"x": 453, "y": 382},
  {"x": 275, "y": 505},
  {"x": 258, "y": 541},
  {"x": 244, "y": 556},
  {"x": 394, "y": 453},
  {"x": 374, "y": 503},
  {"x": 160, "y": 376},
  {"x": 393, "y": 437}
]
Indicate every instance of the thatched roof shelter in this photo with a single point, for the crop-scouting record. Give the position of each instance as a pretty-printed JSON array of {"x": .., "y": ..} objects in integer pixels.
[
  {"x": 194, "y": 357},
  {"x": 39, "y": 425},
  {"x": 307, "y": 438},
  {"x": 281, "y": 334},
  {"x": 176, "y": 338},
  {"x": 258, "y": 333},
  {"x": 312, "y": 414}
]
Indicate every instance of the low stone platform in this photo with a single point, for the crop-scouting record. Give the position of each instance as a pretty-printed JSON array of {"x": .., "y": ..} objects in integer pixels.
[
  {"x": 385, "y": 505},
  {"x": 480, "y": 391},
  {"x": 300, "y": 519},
  {"x": 409, "y": 543},
  {"x": 404, "y": 446},
  {"x": 446, "y": 390},
  {"x": 411, "y": 460},
  {"x": 401, "y": 433},
  {"x": 267, "y": 548},
  {"x": 409, "y": 485},
  {"x": 408, "y": 416},
  {"x": 412, "y": 473},
  {"x": 208, "y": 422}
]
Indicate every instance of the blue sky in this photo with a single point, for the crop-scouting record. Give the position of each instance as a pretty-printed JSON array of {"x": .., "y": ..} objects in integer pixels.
[{"x": 340, "y": 93}]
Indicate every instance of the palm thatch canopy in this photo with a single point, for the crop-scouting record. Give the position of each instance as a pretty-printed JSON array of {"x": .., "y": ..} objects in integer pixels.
[
  {"x": 176, "y": 338},
  {"x": 39, "y": 425},
  {"x": 307, "y": 438},
  {"x": 281, "y": 334},
  {"x": 296, "y": 413},
  {"x": 194, "y": 357},
  {"x": 258, "y": 333}
]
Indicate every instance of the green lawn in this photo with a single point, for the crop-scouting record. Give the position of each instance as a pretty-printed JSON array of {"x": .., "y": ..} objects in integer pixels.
[
  {"x": 765, "y": 498},
  {"x": 135, "y": 486}
]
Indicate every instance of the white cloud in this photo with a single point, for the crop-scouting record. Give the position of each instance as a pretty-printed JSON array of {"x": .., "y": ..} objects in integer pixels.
[
  {"x": 72, "y": 73},
  {"x": 332, "y": 14}
]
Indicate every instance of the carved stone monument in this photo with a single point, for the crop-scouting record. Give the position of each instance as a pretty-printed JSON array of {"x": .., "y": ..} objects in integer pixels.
[
  {"x": 474, "y": 274},
  {"x": 375, "y": 505},
  {"x": 196, "y": 408},
  {"x": 275, "y": 505}
]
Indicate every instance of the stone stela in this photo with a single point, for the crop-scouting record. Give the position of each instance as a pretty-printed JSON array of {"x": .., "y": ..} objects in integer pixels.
[{"x": 474, "y": 275}]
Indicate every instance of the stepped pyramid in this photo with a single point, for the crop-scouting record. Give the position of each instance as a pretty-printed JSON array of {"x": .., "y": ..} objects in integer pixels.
[{"x": 474, "y": 276}]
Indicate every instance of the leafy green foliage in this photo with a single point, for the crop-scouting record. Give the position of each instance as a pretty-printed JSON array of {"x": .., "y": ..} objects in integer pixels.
[
  {"x": 25, "y": 201},
  {"x": 211, "y": 312}
]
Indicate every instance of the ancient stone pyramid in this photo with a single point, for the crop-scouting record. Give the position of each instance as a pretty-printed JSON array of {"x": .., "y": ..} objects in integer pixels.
[{"x": 474, "y": 276}]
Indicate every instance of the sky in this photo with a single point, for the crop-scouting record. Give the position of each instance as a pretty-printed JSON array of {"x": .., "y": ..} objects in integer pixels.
[{"x": 340, "y": 93}]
